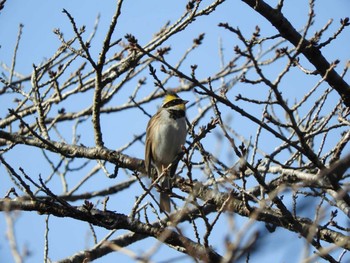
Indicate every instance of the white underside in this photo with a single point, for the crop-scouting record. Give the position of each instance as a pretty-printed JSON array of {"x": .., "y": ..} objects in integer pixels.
[{"x": 170, "y": 137}]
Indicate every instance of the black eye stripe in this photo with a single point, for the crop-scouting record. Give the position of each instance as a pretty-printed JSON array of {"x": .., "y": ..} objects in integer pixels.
[{"x": 173, "y": 103}]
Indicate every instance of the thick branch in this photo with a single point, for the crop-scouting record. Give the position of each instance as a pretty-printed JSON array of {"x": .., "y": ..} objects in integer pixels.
[
  {"x": 236, "y": 204},
  {"x": 121, "y": 160},
  {"x": 311, "y": 52},
  {"x": 111, "y": 220}
]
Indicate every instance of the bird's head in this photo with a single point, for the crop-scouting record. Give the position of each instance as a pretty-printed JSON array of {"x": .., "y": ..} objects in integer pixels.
[{"x": 174, "y": 102}]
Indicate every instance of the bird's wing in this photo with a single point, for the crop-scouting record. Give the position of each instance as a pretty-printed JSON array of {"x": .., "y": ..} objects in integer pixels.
[{"x": 148, "y": 154}]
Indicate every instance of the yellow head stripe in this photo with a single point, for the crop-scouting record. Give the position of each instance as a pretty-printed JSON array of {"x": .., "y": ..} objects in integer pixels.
[{"x": 169, "y": 97}]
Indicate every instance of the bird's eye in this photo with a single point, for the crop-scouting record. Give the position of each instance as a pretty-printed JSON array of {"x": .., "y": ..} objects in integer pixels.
[{"x": 173, "y": 103}]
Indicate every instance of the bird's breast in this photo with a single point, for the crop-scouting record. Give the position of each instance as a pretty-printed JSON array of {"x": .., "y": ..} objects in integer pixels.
[{"x": 169, "y": 139}]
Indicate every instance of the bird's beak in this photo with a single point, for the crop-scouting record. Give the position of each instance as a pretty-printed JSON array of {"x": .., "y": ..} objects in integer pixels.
[{"x": 184, "y": 101}]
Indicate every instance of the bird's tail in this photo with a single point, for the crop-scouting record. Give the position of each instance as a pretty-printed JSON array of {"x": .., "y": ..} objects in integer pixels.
[{"x": 164, "y": 201}]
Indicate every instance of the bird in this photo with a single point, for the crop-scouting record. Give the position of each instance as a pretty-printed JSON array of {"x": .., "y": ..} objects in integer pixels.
[{"x": 165, "y": 136}]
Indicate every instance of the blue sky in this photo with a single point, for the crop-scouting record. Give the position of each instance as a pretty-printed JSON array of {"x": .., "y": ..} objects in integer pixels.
[{"x": 142, "y": 19}]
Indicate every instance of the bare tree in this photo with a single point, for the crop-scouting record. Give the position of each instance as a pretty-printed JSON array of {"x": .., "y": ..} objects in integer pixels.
[{"x": 288, "y": 155}]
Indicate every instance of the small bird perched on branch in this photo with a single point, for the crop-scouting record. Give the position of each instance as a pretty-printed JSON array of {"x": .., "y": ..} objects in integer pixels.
[{"x": 165, "y": 136}]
